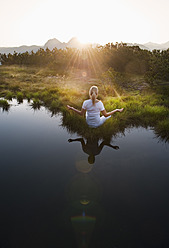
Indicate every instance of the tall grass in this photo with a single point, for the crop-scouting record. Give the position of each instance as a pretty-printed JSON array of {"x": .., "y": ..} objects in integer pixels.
[
  {"x": 36, "y": 104},
  {"x": 141, "y": 108},
  {"x": 162, "y": 130},
  {"x": 19, "y": 97},
  {"x": 9, "y": 95},
  {"x": 55, "y": 107},
  {"x": 4, "y": 105}
]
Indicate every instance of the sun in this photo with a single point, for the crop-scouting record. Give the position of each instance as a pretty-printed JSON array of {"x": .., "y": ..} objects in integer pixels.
[
  {"x": 91, "y": 37},
  {"x": 83, "y": 40}
]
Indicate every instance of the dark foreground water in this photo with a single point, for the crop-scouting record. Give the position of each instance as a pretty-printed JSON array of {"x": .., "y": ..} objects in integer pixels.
[{"x": 50, "y": 196}]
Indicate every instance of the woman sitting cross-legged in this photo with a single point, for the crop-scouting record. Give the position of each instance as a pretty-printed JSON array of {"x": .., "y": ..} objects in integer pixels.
[{"x": 92, "y": 107}]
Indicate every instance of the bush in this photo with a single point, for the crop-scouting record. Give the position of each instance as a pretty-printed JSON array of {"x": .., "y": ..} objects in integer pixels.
[
  {"x": 4, "y": 105},
  {"x": 19, "y": 97},
  {"x": 9, "y": 96}
]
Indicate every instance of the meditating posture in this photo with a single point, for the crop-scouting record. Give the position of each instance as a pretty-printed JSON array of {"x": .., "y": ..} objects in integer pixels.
[
  {"x": 92, "y": 148},
  {"x": 92, "y": 107}
]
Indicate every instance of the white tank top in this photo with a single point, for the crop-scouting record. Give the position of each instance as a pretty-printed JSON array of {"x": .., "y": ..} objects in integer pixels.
[{"x": 93, "y": 112}]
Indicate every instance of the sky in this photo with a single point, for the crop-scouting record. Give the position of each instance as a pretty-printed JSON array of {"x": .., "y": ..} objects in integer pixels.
[{"x": 34, "y": 22}]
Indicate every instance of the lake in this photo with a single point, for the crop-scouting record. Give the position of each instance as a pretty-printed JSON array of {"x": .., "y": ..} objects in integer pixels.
[{"x": 60, "y": 190}]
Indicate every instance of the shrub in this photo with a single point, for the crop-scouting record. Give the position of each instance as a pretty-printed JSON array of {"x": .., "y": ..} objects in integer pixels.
[
  {"x": 19, "y": 97},
  {"x": 9, "y": 96},
  {"x": 4, "y": 105}
]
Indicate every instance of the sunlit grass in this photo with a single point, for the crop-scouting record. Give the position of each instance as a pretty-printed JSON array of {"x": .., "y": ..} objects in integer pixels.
[
  {"x": 55, "y": 107},
  {"x": 141, "y": 108}
]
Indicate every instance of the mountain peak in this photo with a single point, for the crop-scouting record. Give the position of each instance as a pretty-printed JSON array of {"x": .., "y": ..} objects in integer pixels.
[
  {"x": 74, "y": 43},
  {"x": 73, "y": 39},
  {"x": 53, "y": 43}
]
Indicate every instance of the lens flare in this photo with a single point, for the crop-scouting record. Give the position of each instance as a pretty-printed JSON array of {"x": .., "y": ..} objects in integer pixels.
[
  {"x": 83, "y": 166},
  {"x": 83, "y": 219}
]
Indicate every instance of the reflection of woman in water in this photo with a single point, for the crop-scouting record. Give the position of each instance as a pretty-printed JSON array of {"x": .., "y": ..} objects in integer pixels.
[
  {"x": 92, "y": 148},
  {"x": 92, "y": 107}
]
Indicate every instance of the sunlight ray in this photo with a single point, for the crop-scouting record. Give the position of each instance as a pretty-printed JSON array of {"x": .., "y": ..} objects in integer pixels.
[
  {"x": 117, "y": 93},
  {"x": 94, "y": 59},
  {"x": 73, "y": 60},
  {"x": 90, "y": 57}
]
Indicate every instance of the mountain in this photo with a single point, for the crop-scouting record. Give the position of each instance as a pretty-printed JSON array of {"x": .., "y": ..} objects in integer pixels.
[
  {"x": 140, "y": 45},
  {"x": 52, "y": 43},
  {"x": 152, "y": 46},
  {"x": 74, "y": 43},
  {"x": 20, "y": 49}
]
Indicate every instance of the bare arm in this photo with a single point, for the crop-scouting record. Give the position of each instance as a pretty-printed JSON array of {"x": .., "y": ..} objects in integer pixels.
[
  {"x": 107, "y": 144},
  {"x": 82, "y": 112},
  {"x": 112, "y": 112},
  {"x": 78, "y": 139}
]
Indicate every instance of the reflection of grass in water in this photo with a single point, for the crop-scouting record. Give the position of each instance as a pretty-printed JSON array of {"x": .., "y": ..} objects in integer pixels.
[
  {"x": 4, "y": 105},
  {"x": 162, "y": 130},
  {"x": 137, "y": 112},
  {"x": 77, "y": 124},
  {"x": 55, "y": 92},
  {"x": 36, "y": 104}
]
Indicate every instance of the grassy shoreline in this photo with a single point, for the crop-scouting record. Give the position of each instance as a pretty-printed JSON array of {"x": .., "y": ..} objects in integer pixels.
[{"x": 144, "y": 105}]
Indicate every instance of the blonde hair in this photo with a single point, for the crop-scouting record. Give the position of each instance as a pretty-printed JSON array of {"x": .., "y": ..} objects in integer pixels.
[{"x": 93, "y": 93}]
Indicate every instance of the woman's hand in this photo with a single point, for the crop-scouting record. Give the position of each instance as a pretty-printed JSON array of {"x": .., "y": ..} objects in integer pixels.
[
  {"x": 82, "y": 112},
  {"x": 120, "y": 110},
  {"x": 69, "y": 107},
  {"x": 116, "y": 147}
]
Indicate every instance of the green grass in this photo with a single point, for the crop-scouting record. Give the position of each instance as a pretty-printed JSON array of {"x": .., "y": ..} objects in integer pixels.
[
  {"x": 142, "y": 106},
  {"x": 9, "y": 96},
  {"x": 4, "y": 105},
  {"x": 55, "y": 107},
  {"x": 36, "y": 104},
  {"x": 162, "y": 130},
  {"x": 19, "y": 97},
  {"x": 28, "y": 96}
]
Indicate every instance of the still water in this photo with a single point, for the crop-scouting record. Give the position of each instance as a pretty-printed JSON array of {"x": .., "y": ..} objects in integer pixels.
[{"x": 51, "y": 196}]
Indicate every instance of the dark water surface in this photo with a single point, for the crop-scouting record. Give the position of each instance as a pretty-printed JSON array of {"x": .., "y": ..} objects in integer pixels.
[{"x": 50, "y": 196}]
